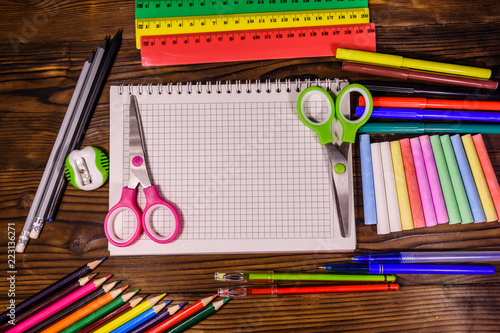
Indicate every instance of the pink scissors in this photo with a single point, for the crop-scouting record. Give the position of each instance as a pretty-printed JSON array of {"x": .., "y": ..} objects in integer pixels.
[{"x": 139, "y": 174}]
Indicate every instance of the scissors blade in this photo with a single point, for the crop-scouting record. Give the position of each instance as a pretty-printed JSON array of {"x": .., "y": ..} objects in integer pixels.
[
  {"x": 340, "y": 183},
  {"x": 137, "y": 152}
]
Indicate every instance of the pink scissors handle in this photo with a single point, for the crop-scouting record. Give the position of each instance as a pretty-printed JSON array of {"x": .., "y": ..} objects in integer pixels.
[
  {"x": 127, "y": 202},
  {"x": 153, "y": 202}
]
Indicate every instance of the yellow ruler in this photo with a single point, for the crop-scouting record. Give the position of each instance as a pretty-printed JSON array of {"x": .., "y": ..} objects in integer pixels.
[{"x": 251, "y": 21}]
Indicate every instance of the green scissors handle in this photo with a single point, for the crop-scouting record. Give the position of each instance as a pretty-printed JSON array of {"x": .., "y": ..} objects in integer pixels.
[{"x": 323, "y": 128}]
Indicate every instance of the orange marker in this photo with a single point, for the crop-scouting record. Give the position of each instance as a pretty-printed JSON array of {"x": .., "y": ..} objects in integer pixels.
[
  {"x": 86, "y": 310},
  {"x": 417, "y": 211},
  {"x": 189, "y": 311},
  {"x": 424, "y": 103},
  {"x": 489, "y": 173}
]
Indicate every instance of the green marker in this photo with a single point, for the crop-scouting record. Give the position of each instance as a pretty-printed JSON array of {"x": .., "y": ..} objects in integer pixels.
[
  {"x": 456, "y": 180},
  {"x": 420, "y": 128},
  {"x": 270, "y": 276},
  {"x": 444, "y": 179}
]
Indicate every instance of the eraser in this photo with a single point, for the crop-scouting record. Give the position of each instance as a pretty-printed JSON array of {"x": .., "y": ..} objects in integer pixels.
[
  {"x": 390, "y": 188},
  {"x": 378, "y": 181},
  {"x": 369, "y": 206}
]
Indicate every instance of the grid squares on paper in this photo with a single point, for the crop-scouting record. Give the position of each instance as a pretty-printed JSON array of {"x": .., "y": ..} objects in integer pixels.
[{"x": 239, "y": 170}]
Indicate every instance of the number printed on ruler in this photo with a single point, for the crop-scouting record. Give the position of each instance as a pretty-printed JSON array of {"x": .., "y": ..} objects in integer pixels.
[
  {"x": 173, "y": 8},
  {"x": 200, "y": 24}
]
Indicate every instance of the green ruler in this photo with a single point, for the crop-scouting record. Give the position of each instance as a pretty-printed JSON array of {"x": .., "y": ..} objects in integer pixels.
[{"x": 175, "y": 8}]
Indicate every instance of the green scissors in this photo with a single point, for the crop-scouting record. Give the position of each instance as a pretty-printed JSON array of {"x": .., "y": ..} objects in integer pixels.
[{"x": 338, "y": 155}]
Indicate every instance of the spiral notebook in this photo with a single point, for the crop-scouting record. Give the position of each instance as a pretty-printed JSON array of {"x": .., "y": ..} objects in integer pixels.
[{"x": 238, "y": 164}]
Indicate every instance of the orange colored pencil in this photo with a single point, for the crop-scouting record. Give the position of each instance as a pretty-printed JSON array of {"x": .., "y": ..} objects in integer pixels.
[{"x": 86, "y": 310}]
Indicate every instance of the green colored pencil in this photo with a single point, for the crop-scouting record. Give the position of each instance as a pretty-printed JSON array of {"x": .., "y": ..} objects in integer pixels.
[
  {"x": 102, "y": 311},
  {"x": 197, "y": 317}
]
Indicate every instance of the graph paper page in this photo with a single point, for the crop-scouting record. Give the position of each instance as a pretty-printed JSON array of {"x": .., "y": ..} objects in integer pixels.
[{"x": 242, "y": 170}]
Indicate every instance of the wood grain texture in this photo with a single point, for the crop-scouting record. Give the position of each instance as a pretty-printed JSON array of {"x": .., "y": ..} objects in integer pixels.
[{"x": 43, "y": 46}]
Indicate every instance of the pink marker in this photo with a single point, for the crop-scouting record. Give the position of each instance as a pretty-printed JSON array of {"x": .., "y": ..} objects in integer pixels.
[
  {"x": 423, "y": 183},
  {"x": 434, "y": 183}
]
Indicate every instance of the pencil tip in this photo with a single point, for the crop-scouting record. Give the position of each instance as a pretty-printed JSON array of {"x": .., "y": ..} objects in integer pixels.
[
  {"x": 102, "y": 259},
  {"x": 213, "y": 296},
  {"x": 107, "y": 277},
  {"x": 321, "y": 267}
]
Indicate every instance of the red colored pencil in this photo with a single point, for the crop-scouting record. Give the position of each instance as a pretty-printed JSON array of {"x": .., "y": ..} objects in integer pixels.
[{"x": 189, "y": 311}]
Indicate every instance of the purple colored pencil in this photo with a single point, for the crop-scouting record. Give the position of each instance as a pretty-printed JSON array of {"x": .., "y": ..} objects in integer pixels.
[{"x": 157, "y": 319}]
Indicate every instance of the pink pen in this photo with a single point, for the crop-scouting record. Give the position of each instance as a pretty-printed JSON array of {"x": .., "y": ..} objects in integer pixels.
[
  {"x": 423, "y": 183},
  {"x": 434, "y": 183}
]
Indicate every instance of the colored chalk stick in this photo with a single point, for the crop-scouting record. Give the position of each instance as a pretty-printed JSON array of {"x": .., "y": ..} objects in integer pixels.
[
  {"x": 390, "y": 188},
  {"x": 423, "y": 183},
  {"x": 417, "y": 211},
  {"x": 456, "y": 180},
  {"x": 489, "y": 173},
  {"x": 433, "y": 177},
  {"x": 445, "y": 181},
  {"x": 401, "y": 188},
  {"x": 479, "y": 179},
  {"x": 369, "y": 206},
  {"x": 466, "y": 173},
  {"x": 378, "y": 180}
]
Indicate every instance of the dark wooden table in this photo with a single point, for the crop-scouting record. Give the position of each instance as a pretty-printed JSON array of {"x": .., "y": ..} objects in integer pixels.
[{"x": 43, "y": 46}]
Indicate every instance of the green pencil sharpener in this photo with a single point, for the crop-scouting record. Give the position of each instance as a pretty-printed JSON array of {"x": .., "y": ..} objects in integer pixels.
[{"x": 87, "y": 169}]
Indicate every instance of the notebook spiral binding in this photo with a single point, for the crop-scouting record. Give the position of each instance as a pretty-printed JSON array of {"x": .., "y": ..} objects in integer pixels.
[{"x": 238, "y": 86}]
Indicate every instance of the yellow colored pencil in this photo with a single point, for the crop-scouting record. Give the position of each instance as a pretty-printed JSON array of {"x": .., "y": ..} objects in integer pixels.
[{"x": 130, "y": 314}]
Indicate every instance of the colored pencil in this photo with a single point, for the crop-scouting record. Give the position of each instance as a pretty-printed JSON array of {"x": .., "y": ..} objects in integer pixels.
[
  {"x": 104, "y": 314},
  {"x": 115, "y": 323},
  {"x": 52, "y": 289},
  {"x": 143, "y": 317},
  {"x": 84, "y": 311},
  {"x": 58, "y": 306},
  {"x": 199, "y": 316},
  {"x": 49, "y": 301},
  {"x": 189, "y": 311},
  {"x": 71, "y": 308},
  {"x": 162, "y": 316}
]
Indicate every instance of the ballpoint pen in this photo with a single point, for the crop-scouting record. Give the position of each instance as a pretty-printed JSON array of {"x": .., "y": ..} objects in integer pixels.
[
  {"x": 429, "y": 257},
  {"x": 275, "y": 290},
  {"x": 269, "y": 276},
  {"x": 376, "y": 268}
]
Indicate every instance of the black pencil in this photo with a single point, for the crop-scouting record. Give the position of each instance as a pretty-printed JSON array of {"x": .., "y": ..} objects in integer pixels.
[{"x": 50, "y": 290}]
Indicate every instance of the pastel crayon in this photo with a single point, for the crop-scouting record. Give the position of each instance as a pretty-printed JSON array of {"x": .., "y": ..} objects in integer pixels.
[
  {"x": 433, "y": 177},
  {"x": 390, "y": 188},
  {"x": 369, "y": 206},
  {"x": 417, "y": 211},
  {"x": 466, "y": 173},
  {"x": 456, "y": 180},
  {"x": 423, "y": 183},
  {"x": 445, "y": 181},
  {"x": 479, "y": 179},
  {"x": 378, "y": 181},
  {"x": 489, "y": 172},
  {"x": 401, "y": 188}
]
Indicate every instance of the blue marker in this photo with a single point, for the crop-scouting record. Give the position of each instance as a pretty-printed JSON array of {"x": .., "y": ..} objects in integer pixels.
[
  {"x": 470, "y": 185},
  {"x": 428, "y": 257},
  {"x": 376, "y": 268},
  {"x": 370, "y": 210},
  {"x": 414, "y": 114}
]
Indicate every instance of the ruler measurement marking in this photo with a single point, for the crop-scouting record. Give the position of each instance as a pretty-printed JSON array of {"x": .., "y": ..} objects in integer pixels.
[
  {"x": 182, "y": 25},
  {"x": 152, "y": 9}
]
